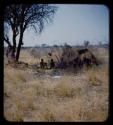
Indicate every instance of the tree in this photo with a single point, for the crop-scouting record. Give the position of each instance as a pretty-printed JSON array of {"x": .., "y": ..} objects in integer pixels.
[
  {"x": 11, "y": 20},
  {"x": 44, "y": 45},
  {"x": 55, "y": 46},
  {"x": 100, "y": 43},
  {"x": 22, "y": 16},
  {"x": 86, "y": 43},
  {"x": 67, "y": 45}
]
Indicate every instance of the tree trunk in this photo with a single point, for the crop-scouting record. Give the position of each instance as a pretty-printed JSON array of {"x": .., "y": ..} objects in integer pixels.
[
  {"x": 19, "y": 46},
  {"x": 14, "y": 43}
]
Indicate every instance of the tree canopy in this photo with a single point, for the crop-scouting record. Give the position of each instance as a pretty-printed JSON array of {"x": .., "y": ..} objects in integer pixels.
[{"x": 20, "y": 17}]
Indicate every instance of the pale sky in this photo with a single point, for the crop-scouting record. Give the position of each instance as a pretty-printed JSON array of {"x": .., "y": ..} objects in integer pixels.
[{"x": 73, "y": 23}]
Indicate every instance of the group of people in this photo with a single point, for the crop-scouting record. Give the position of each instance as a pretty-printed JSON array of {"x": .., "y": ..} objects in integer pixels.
[
  {"x": 77, "y": 62},
  {"x": 44, "y": 64}
]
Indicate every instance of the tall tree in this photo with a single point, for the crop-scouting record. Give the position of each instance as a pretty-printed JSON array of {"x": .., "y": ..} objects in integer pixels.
[
  {"x": 11, "y": 17},
  {"x": 22, "y": 16}
]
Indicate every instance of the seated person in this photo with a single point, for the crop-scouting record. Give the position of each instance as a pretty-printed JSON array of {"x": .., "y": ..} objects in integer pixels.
[{"x": 52, "y": 64}]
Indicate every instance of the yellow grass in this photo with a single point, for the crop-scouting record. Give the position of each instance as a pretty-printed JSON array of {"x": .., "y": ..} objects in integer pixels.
[{"x": 81, "y": 96}]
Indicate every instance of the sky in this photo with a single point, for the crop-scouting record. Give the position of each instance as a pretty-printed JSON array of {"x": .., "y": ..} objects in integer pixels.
[{"x": 73, "y": 24}]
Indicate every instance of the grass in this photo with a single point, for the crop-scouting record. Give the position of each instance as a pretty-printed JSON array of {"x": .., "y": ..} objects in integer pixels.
[
  {"x": 34, "y": 95},
  {"x": 65, "y": 88}
]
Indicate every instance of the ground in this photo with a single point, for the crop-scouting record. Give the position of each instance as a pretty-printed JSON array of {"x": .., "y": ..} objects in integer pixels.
[{"x": 34, "y": 94}]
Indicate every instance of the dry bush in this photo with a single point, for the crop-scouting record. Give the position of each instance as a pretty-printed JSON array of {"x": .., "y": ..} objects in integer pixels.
[
  {"x": 35, "y": 53},
  {"x": 98, "y": 75},
  {"x": 14, "y": 75},
  {"x": 94, "y": 78},
  {"x": 71, "y": 86},
  {"x": 19, "y": 102},
  {"x": 70, "y": 110},
  {"x": 102, "y": 54},
  {"x": 64, "y": 89},
  {"x": 26, "y": 57}
]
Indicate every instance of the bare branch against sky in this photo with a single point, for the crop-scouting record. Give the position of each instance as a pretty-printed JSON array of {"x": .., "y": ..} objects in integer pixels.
[{"x": 73, "y": 24}]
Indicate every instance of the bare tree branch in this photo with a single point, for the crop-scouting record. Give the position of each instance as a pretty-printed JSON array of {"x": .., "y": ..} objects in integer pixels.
[{"x": 7, "y": 41}]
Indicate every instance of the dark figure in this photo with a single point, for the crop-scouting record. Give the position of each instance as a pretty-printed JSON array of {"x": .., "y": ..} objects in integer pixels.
[
  {"x": 43, "y": 64},
  {"x": 80, "y": 62},
  {"x": 50, "y": 54},
  {"x": 87, "y": 61},
  {"x": 10, "y": 54},
  {"x": 82, "y": 51},
  {"x": 63, "y": 64},
  {"x": 77, "y": 62},
  {"x": 94, "y": 61},
  {"x": 52, "y": 64},
  {"x": 70, "y": 64}
]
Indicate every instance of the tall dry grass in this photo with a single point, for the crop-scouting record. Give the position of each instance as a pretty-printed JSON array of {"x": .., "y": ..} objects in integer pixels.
[{"x": 78, "y": 96}]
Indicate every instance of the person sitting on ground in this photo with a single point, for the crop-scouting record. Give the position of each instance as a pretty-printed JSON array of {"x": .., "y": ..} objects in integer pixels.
[
  {"x": 43, "y": 64},
  {"x": 52, "y": 64}
]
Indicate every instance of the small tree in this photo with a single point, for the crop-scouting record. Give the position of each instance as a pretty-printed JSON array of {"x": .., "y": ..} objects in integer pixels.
[
  {"x": 100, "y": 43},
  {"x": 22, "y": 16},
  {"x": 55, "y": 46},
  {"x": 86, "y": 43},
  {"x": 44, "y": 45}
]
